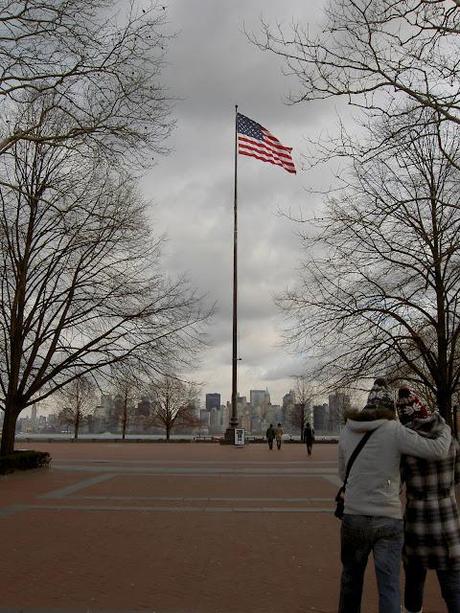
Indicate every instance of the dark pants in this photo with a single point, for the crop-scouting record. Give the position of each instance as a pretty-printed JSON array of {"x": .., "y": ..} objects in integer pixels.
[
  {"x": 309, "y": 445},
  {"x": 278, "y": 443},
  {"x": 270, "y": 443},
  {"x": 449, "y": 582},
  {"x": 361, "y": 535}
]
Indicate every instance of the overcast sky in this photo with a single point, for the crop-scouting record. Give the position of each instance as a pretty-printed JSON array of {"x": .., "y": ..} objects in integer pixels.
[{"x": 212, "y": 67}]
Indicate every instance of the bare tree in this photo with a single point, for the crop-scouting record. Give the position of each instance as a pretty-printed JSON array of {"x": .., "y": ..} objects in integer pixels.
[
  {"x": 80, "y": 103},
  {"x": 98, "y": 63},
  {"x": 398, "y": 63},
  {"x": 80, "y": 280},
  {"x": 385, "y": 289},
  {"x": 377, "y": 55},
  {"x": 300, "y": 413},
  {"x": 77, "y": 400},
  {"x": 126, "y": 385},
  {"x": 174, "y": 404}
]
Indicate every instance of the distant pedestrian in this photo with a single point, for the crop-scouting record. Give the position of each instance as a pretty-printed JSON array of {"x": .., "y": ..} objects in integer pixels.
[
  {"x": 279, "y": 435},
  {"x": 309, "y": 437},
  {"x": 270, "y": 434}
]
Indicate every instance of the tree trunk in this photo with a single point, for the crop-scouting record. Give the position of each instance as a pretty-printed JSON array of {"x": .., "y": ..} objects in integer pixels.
[
  {"x": 444, "y": 399},
  {"x": 168, "y": 432},
  {"x": 76, "y": 425},
  {"x": 454, "y": 421},
  {"x": 124, "y": 422},
  {"x": 8, "y": 432}
]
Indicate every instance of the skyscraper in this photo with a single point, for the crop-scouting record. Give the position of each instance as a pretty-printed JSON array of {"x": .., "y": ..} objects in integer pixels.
[
  {"x": 33, "y": 418},
  {"x": 259, "y": 398},
  {"x": 338, "y": 403},
  {"x": 320, "y": 417},
  {"x": 212, "y": 401}
]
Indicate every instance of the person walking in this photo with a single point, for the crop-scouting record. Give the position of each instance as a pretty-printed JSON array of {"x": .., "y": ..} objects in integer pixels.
[
  {"x": 431, "y": 521},
  {"x": 309, "y": 437},
  {"x": 270, "y": 434},
  {"x": 372, "y": 520},
  {"x": 279, "y": 436}
]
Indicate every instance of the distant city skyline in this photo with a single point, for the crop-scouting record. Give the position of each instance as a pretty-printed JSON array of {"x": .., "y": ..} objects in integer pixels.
[
  {"x": 46, "y": 408},
  {"x": 111, "y": 415}
]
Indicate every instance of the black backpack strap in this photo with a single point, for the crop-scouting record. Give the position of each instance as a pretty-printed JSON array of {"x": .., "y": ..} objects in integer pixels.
[{"x": 355, "y": 454}]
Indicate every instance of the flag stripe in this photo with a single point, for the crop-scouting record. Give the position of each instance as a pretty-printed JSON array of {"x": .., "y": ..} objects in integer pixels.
[
  {"x": 249, "y": 148},
  {"x": 266, "y": 155},
  {"x": 275, "y": 141},
  {"x": 256, "y": 141},
  {"x": 290, "y": 168},
  {"x": 246, "y": 143},
  {"x": 266, "y": 158}
]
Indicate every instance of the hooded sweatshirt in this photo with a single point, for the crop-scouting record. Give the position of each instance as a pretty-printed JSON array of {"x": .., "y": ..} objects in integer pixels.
[{"x": 374, "y": 482}]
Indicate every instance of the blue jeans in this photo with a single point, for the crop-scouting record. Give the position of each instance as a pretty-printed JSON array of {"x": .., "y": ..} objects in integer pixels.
[
  {"x": 449, "y": 582},
  {"x": 362, "y": 534}
]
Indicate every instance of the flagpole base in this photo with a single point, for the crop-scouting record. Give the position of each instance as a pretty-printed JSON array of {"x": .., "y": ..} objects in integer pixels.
[{"x": 229, "y": 436}]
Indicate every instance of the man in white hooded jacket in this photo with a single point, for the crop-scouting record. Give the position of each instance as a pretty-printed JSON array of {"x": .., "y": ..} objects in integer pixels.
[{"x": 372, "y": 520}]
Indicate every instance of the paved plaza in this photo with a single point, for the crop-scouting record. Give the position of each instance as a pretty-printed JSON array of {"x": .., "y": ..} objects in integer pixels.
[{"x": 175, "y": 528}]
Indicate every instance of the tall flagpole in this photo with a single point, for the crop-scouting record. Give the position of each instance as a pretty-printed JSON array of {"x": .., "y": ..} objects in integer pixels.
[
  {"x": 280, "y": 155},
  {"x": 234, "y": 417}
]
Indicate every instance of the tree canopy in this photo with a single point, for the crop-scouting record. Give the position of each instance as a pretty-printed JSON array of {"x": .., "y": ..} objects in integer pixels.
[{"x": 380, "y": 287}]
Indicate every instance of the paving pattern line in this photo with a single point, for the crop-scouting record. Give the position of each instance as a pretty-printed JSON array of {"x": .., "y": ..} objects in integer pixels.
[
  {"x": 203, "y": 472},
  {"x": 86, "y": 610},
  {"x": 195, "y": 462},
  {"x": 75, "y": 487},
  {"x": 201, "y": 498},
  {"x": 334, "y": 479},
  {"x": 109, "y": 508},
  {"x": 12, "y": 510},
  {"x": 90, "y": 610}
]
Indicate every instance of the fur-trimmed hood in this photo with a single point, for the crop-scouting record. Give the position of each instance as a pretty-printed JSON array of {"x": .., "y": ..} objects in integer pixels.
[{"x": 370, "y": 415}]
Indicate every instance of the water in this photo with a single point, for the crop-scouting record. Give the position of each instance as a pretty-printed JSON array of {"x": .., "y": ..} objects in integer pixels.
[
  {"x": 106, "y": 435},
  {"x": 146, "y": 437}
]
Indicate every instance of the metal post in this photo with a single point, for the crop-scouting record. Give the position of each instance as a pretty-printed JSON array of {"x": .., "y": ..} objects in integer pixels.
[
  {"x": 234, "y": 417},
  {"x": 233, "y": 422}
]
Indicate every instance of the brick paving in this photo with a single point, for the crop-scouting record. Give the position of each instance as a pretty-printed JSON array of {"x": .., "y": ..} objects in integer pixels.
[{"x": 177, "y": 528}]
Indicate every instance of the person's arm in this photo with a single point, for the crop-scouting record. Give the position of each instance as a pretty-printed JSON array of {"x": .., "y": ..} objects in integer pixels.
[{"x": 410, "y": 443}]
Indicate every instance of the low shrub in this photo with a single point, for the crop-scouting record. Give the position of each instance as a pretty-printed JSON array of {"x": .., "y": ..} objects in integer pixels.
[{"x": 23, "y": 460}]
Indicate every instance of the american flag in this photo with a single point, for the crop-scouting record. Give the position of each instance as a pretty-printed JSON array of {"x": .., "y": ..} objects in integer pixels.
[{"x": 257, "y": 142}]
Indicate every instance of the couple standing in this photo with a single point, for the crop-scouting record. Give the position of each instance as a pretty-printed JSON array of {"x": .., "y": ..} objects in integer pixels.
[
  {"x": 273, "y": 434},
  {"x": 419, "y": 448}
]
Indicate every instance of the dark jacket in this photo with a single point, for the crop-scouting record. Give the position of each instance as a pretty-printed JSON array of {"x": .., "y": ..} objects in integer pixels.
[
  {"x": 270, "y": 434},
  {"x": 309, "y": 435},
  {"x": 432, "y": 526}
]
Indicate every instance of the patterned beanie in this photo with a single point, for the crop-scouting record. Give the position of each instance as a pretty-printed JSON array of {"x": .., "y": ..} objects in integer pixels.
[
  {"x": 380, "y": 397},
  {"x": 410, "y": 406}
]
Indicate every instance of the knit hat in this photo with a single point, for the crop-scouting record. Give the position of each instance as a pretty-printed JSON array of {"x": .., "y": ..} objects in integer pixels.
[
  {"x": 410, "y": 406},
  {"x": 380, "y": 397}
]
